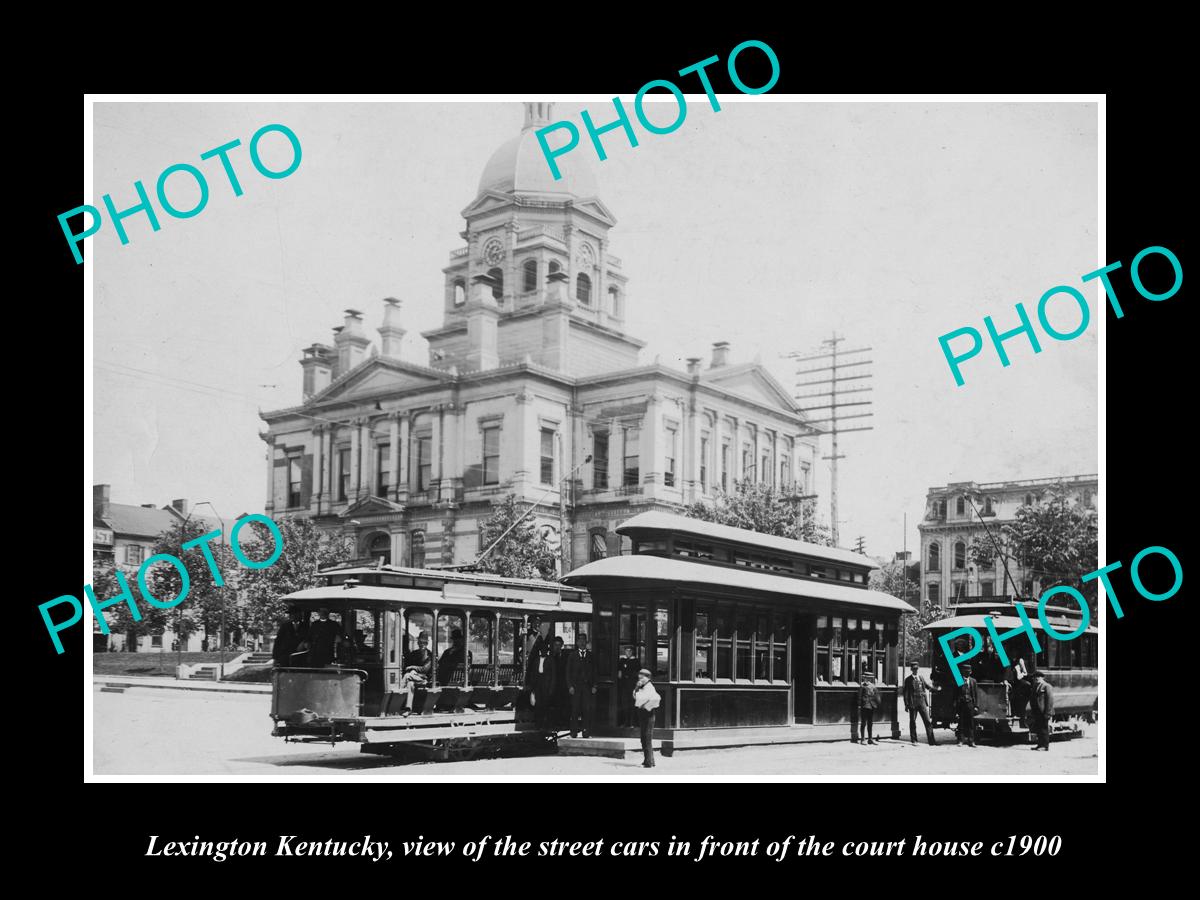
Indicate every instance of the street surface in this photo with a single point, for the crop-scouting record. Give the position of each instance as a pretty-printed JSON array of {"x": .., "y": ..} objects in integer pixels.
[{"x": 176, "y": 732}]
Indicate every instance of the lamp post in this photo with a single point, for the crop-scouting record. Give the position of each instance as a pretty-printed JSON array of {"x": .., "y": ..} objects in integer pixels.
[{"x": 222, "y": 634}]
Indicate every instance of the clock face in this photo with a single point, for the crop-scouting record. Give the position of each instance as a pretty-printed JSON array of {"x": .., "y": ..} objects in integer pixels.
[{"x": 493, "y": 252}]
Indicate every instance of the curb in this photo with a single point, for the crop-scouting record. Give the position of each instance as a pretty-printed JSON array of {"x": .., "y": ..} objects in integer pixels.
[{"x": 171, "y": 684}]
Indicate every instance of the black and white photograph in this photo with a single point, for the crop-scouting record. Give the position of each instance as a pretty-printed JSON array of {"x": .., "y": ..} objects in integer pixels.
[{"x": 751, "y": 450}]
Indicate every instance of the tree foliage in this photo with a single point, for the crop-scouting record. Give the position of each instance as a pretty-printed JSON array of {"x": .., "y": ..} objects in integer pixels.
[
  {"x": 903, "y": 581},
  {"x": 201, "y": 607},
  {"x": 119, "y": 617},
  {"x": 765, "y": 509},
  {"x": 523, "y": 552},
  {"x": 306, "y": 549}
]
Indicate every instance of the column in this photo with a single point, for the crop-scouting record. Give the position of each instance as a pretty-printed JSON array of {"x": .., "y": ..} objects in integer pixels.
[
  {"x": 352, "y": 490},
  {"x": 270, "y": 442},
  {"x": 602, "y": 282},
  {"x": 327, "y": 471},
  {"x": 435, "y": 450},
  {"x": 522, "y": 442},
  {"x": 651, "y": 461},
  {"x": 403, "y": 475},
  {"x": 616, "y": 451},
  {"x": 756, "y": 465},
  {"x": 511, "y": 286},
  {"x": 433, "y": 642},
  {"x": 393, "y": 453},
  {"x": 318, "y": 470},
  {"x": 569, "y": 240},
  {"x": 496, "y": 647},
  {"x": 367, "y": 469},
  {"x": 691, "y": 473}
]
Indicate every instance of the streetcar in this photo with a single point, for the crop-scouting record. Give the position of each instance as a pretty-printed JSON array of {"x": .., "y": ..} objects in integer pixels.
[
  {"x": 379, "y": 612},
  {"x": 1070, "y": 667}
]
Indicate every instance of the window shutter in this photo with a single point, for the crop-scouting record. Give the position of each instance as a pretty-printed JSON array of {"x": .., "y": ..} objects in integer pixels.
[{"x": 306, "y": 478}]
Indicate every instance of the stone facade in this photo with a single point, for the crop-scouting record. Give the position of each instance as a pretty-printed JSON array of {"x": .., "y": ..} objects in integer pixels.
[
  {"x": 530, "y": 372},
  {"x": 947, "y": 575}
]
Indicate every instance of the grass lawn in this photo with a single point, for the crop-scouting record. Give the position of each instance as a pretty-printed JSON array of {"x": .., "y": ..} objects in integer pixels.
[{"x": 151, "y": 663}]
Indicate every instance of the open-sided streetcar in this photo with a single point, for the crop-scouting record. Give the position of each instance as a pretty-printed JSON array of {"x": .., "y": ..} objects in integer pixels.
[
  {"x": 1069, "y": 666},
  {"x": 378, "y": 613}
]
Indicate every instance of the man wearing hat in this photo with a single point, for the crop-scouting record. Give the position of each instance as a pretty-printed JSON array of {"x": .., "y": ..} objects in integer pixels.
[
  {"x": 645, "y": 702},
  {"x": 868, "y": 702},
  {"x": 966, "y": 702},
  {"x": 1041, "y": 709},
  {"x": 916, "y": 702}
]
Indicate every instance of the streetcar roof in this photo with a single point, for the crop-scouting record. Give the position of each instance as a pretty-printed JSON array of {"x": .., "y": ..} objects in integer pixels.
[
  {"x": 484, "y": 598},
  {"x": 447, "y": 575},
  {"x": 658, "y": 568},
  {"x": 1059, "y": 623},
  {"x": 663, "y": 521}
]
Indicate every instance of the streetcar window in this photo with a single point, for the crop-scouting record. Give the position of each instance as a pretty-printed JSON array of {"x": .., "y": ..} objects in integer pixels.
[
  {"x": 823, "y": 636},
  {"x": 703, "y": 630},
  {"x": 479, "y": 640}
]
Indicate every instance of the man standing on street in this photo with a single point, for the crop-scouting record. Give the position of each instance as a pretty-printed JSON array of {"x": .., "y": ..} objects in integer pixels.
[
  {"x": 645, "y": 702},
  {"x": 966, "y": 703},
  {"x": 916, "y": 702},
  {"x": 581, "y": 685},
  {"x": 1041, "y": 710},
  {"x": 868, "y": 702}
]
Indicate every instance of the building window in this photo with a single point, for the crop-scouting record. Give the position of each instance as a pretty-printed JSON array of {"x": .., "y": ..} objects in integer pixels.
[
  {"x": 804, "y": 479},
  {"x": 631, "y": 469},
  {"x": 497, "y": 276},
  {"x": 583, "y": 289},
  {"x": 383, "y": 466},
  {"x": 294, "y": 479},
  {"x": 424, "y": 463},
  {"x": 934, "y": 593},
  {"x": 460, "y": 292},
  {"x": 704, "y": 464},
  {"x": 416, "y": 550},
  {"x": 133, "y": 554},
  {"x": 785, "y": 472},
  {"x": 935, "y": 558},
  {"x": 600, "y": 461},
  {"x": 669, "y": 467},
  {"x": 547, "y": 456},
  {"x": 725, "y": 467},
  {"x": 960, "y": 555},
  {"x": 747, "y": 461},
  {"x": 614, "y": 303},
  {"x": 987, "y": 588},
  {"x": 597, "y": 545},
  {"x": 987, "y": 506},
  {"x": 1029, "y": 499},
  {"x": 960, "y": 506},
  {"x": 343, "y": 473},
  {"x": 491, "y": 455},
  {"x": 156, "y": 640},
  {"x": 1086, "y": 499},
  {"x": 764, "y": 469},
  {"x": 380, "y": 548},
  {"x": 530, "y": 270}
]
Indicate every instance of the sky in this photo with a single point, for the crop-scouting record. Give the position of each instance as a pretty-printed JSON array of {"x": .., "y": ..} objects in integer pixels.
[{"x": 768, "y": 224}]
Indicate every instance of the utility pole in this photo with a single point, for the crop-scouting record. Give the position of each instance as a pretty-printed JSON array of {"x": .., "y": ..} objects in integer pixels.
[
  {"x": 860, "y": 545},
  {"x": 833, "y": 419}
]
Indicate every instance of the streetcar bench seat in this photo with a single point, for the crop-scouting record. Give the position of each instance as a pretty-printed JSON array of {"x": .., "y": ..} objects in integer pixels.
[
  {"x": 481, "y": 674},
  {"x": 511, "y": 674}
]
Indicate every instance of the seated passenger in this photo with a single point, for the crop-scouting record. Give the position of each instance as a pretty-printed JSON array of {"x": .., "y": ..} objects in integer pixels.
[
  {"x": 323, "y": 638},
  {"x": 452, "y": 658},
  {"x": 418, "y": 667}
]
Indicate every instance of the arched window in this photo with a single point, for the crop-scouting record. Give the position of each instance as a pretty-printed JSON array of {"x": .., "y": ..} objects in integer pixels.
[
  {"x": 1029, "y": 499},
  {"x": 960, "y": 505},
  {"x": 597, "y": 544},
  {"x": 460, "y": 292},
  {"x": 497, "y": 276},
  {"x": 934, "y": 593},
  {"x": 583, "y": 289},
  {"x": 935, "y": 558},
  {"x": 614, "y": 302},
  {"x": 416, "y": 550},
  {"x": 530, "y": 269},
  {"x": 960, "y": 555},
  {"x": 380, "y": 547}
]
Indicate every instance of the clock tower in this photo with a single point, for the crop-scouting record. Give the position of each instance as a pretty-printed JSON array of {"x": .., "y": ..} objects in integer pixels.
[{"x": 536, "y": 281}]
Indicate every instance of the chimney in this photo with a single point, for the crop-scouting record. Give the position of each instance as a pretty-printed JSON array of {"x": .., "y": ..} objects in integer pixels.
[
  {"x": 317, "y": 363},
  {"x": 693, "y": 365},
  {"x": 390, "y": 331},
  {"x": 351, "y": 342},
  {"x": 720, "y": 354},
  {"x": 100, "y": 500},
  {"x": 482, "y": 315},
  {"x": 180, "y": 506}
]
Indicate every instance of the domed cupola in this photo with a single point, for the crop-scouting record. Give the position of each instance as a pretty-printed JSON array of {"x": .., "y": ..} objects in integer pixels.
[{"x": 520, "y": 167}]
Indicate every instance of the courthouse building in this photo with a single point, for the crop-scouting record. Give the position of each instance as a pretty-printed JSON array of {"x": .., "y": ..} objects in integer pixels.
[
  {"x": 531, "y": 371},
  {"x": 955, "y": 514}
]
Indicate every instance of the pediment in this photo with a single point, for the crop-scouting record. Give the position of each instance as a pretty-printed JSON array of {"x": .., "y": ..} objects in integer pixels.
[
  {"x": 377, "y": 376},
  {"x": 486, "y": 201},
  {"x": 753, "y": 382},
  {"x": 592, "y": 206},
  {"x": 371, "y": 506}
]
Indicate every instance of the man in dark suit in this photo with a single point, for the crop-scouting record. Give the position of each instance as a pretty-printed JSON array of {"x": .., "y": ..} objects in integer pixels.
[
  {"x": 868, "y": 702},
  {"x": 286, "y": 641},
  {"x": 543, "y": 672},
  {"x": 322, "y": 639},
  {"x": 966, "y": 703},
  {"x": 1041, "y": 710},
  {"x": 581, "y": 685},
  {"x": 627, "y": 675},
  {"x": 915, "y": 702}
]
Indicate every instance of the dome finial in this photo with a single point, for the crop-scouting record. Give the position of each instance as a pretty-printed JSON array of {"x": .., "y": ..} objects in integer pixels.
[{"x": 537, "y": 115}]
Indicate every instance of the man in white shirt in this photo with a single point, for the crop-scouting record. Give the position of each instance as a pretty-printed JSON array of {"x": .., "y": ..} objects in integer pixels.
[{"x": 645, "y": 702}]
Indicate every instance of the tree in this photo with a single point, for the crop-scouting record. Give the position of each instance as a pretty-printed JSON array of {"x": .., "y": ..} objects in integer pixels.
[
  {"x": 1054, "y": 541},
  {"x": 903, "y": 581},
  {"x": 200, "y": 607},
  {"x": 763, "y": 508},
  {"x": 119, "y": 617},
  {"x": 306, "y": 550},
  {"x": 523, "y": 552}
]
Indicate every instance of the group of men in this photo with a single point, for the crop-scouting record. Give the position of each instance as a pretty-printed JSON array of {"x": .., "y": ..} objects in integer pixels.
[{"x": 917, "y": 690}]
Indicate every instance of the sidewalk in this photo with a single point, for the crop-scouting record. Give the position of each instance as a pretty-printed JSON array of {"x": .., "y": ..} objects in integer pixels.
[{"x": 142, "y": 681}]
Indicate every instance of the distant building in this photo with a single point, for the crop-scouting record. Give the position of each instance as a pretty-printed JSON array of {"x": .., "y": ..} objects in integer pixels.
[
  {"x": 947, "y": 575},
  {"x": 530, "y": 375},
  {"x": 125, "y": 535}
]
